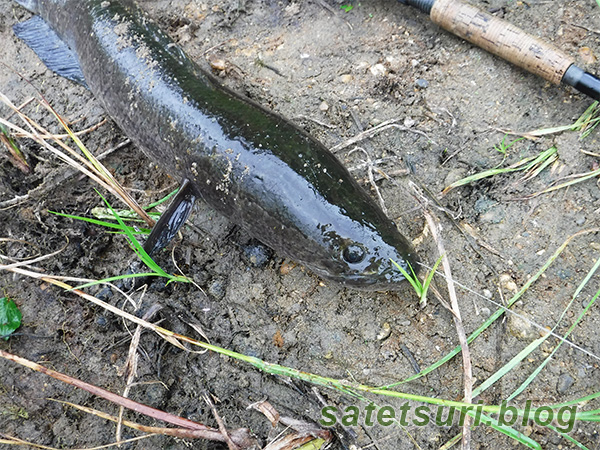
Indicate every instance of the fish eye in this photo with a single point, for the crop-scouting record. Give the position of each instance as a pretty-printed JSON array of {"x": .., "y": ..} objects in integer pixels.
[{"x": 354, "y": 254}]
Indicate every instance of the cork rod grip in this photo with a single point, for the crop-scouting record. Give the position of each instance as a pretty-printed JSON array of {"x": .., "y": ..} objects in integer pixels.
[{"x": 499, "y": 37}]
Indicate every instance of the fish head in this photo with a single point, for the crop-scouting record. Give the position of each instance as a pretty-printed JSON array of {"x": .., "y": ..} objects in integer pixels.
[{"x": 365, "y": 254}]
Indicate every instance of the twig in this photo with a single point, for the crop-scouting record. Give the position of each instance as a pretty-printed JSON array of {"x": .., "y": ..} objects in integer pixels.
[
  {"x": 91, "y": 167},
  {"x": 318, "y": 122},
  {"x": 68, "y": 173},
  {"x": 371, "y": 178},
  {"x": 376, "y": 130},
  {"x": 65, "y": 135},
  {"x": 590, "y": 30},
  {"x": 11, "y": 440},
  {"x": 460, "y": 331},
  {"x": 132, "y": 362},
  {"x": 6, "y": 204},
  {"x": 201, "y": 430},
  {"x": 222, "y": 428}
]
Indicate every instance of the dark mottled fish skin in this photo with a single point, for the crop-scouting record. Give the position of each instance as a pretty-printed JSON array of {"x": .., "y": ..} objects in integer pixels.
[{"x": 249, "y": 163}]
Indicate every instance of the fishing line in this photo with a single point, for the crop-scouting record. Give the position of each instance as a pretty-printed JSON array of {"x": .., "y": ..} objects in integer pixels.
[{"x": 531, "y": 322}]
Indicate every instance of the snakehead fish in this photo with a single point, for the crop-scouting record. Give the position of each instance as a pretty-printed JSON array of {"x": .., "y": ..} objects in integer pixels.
[{"x": 247, "y": 162}]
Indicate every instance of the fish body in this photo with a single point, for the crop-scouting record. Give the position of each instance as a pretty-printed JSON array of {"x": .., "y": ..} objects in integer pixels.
[{"x": 249, "y": 163}]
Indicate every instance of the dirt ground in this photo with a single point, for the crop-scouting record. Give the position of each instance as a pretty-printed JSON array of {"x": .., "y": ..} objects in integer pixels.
[{"x": 333, "y": 73}]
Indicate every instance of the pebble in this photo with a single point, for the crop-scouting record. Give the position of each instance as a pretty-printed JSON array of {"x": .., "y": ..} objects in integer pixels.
[
  {"x": 257, "y": 255},
  {"x": 385, "y": 332},
  {"x": 580, "y": 219},
  {"x": 507, "y": 283},
  {"x": 409, "y": 122},
  {"x": 217, "y": 289},
  {"x": 587, "y": 55},
  {"x": 324, "y": 106},
  {"x": 156, "y": 395},
  {"x": 422, "y": 83},
  {"x": 484, "y": 204},
  {"x": 485, "y": 311},
  {"x": 347, "y": 78},
  {"x": 565, "y": 381},
  {"x": 378, "y": 70},
  {"x": 521, "y": 328}
]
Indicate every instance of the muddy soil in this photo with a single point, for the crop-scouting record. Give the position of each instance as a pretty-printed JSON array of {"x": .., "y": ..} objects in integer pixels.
[{"x": 334, "y": 73}]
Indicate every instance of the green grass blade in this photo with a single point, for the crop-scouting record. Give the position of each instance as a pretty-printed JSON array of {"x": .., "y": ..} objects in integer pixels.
[
  {"x": 429, "y": 278},
  {"x": 413, "y": 280},
  {"x": 585, "y": 399},
  {"x": 588, "y": 131},
  {"x": 117, "y": 278},
  {"x": 543, "y": 364},
  {"x": 162, "y": 200},
  {"x": 14, "y": 148},
  {"x": 535, "y": 171},
  {"x": 125, "y": 214},
  {"x": 506, "y": 430},
  {"x": 139, "y": 250},
  {"x": 546, "y": 360},
  {"x": 525, "y": 164},
  {"x": 585, "y": 120},
  {"x": 568, "y": 438},
  {"x": 102, "y": 223},
  {"x": 498, "y": 313},
  {"x": 515, "y": 361},
  {"x": 583, "y": 177}
]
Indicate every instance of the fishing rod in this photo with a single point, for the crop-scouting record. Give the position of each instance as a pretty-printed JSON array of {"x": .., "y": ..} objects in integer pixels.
[{"x": 509, "y": 42}]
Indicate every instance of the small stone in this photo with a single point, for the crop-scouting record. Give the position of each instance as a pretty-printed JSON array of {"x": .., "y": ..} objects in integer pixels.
[
  {"x": 422, "y": 83},
  {"x": 378, "y": 70},
  {"x": 257, "y": 255},
  {"x": 217, "y": 289},
  {"x": 409, "y": 122},
  {"x": 387, "y": 353},
  {"x": 292, "y": 10},
  {"x": 587, "y": 55},
  {"x": 580, "y": 220},
  {"x": 483, "y": 204},
  {"x": 565, "y": 381},
  {"x": 487, "y": 293},
  {"x": 507, "y": 283},
  {"x": 370, "y": 333},
  {"x": 485, "y": 311},
  {"x": 346, "y": 78},
  {"x": 544, "y": 331},
  {"x": 520, "y": 327},
  {"x": 324, "y": 106},
  {"x": 385, "y": 332}
]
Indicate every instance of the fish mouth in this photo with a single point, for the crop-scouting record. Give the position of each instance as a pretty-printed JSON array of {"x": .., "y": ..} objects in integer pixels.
[{"x": 388, "y": 279}]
